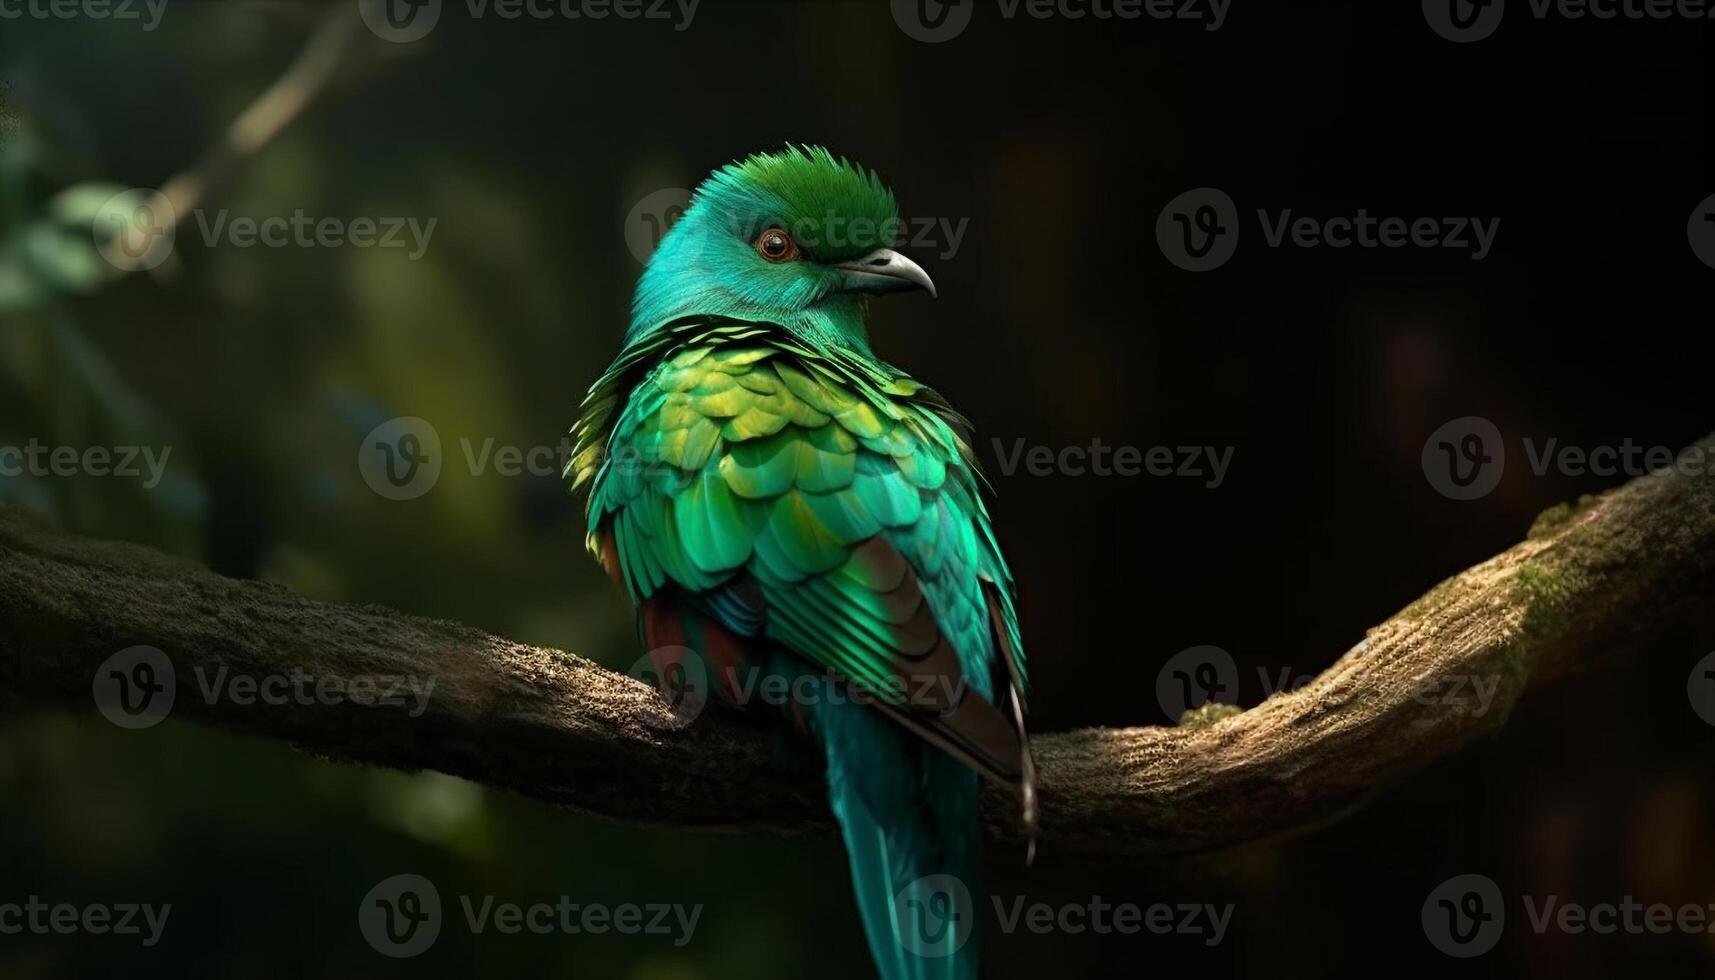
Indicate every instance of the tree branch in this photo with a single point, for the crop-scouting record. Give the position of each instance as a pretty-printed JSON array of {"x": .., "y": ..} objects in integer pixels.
[
  {"x": 559, "y": 728},
  {"x": 320, "y": 60}
]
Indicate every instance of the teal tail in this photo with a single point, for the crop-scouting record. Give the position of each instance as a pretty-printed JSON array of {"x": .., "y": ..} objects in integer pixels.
[{"x": 909, "y": 814}]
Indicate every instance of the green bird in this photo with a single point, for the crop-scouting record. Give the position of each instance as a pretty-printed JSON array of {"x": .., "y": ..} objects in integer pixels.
[{"x": 781, "y": 504}]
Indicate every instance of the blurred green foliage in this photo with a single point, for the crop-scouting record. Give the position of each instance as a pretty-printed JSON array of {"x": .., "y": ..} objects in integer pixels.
[{"x": 261, "y": 370}]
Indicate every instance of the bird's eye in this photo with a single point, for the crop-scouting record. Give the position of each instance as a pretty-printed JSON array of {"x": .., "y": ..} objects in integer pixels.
[{"x": 776, "y": 246}]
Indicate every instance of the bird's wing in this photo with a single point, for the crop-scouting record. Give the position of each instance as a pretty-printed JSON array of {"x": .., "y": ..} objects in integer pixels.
[{"x": 842, "y": 497}]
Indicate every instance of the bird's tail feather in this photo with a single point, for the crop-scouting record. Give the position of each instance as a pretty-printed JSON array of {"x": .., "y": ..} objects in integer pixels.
[{"x": 909, "y": 816}]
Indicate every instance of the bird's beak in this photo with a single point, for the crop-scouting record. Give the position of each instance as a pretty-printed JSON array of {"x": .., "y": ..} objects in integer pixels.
[{"x": 884, "y": 271}]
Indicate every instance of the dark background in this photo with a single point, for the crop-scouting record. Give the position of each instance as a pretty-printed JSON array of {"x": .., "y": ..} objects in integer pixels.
[{"x": 1059, "y": 321}]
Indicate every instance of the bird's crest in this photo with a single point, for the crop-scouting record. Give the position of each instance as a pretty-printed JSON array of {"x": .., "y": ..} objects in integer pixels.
[{"x": 834, "y": 208}]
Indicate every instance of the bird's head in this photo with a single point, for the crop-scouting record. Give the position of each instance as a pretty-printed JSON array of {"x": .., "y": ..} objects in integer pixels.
[{"x": 799, "y": 238}]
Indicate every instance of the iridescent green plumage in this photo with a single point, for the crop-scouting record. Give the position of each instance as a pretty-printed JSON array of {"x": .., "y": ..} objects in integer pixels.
[
  {"x": 742, "y": 451},
  {"x": 770, "y": 492}
]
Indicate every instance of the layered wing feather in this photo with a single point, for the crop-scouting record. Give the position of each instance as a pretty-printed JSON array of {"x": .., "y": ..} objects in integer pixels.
[{"x": 839, "y": 495}]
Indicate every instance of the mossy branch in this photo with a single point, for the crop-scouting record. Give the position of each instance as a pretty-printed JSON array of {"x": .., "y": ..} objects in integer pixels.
[{"x": 559, "y": 728}]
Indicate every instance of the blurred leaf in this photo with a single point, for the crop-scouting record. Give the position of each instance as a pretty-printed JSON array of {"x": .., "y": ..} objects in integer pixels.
[{"x": 55, "y": 254}]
